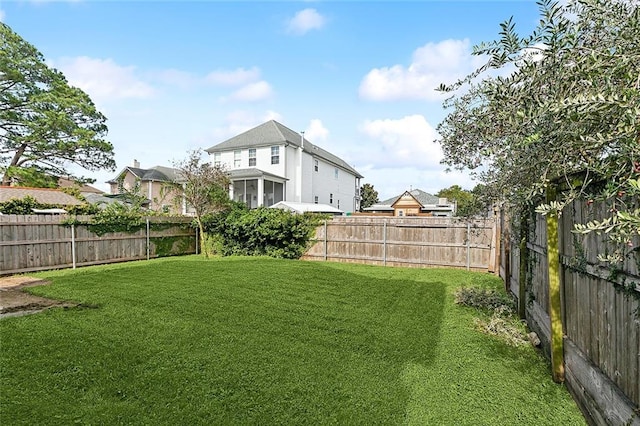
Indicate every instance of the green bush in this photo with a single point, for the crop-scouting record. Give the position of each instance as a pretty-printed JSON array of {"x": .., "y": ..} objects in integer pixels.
[
  {"x": 484, "y": 299},
  {"x": 261, "y": 232},
  {"x": 26, "y": 204}
]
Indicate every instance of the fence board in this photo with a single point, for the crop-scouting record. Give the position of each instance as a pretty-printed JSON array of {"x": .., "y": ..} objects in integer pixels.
[
  {"x": 40, "y": 242},
  {"x": 411, "y": 242},
  {"x": 601, "y": 323}
]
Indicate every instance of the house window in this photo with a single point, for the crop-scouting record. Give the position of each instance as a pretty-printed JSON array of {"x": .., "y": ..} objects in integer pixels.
[
  {"x": 252, "y": 157},
  {"x": 217, "y": 161},
  {"x": 315, "y": 165},
  {"x": 275, "y": 155},
  {"x": 236, "y": 158},
  {"x": 315, "y": 199},
  {"x": 330, "y": 198},
  {"x": 335, "y": 173}
]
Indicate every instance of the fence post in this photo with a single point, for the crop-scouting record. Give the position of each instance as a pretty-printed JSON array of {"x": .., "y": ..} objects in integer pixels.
[
  {"x": 468, "y": 245},
  {"x": 524, "y": 262},
  {"x": 73, "y": 246},
  {"x": 384, "y": 242},
  {"x": 555, "y": 308},
  {"x": 325, "y": 239},
  {"x": 148, "y": 246}
]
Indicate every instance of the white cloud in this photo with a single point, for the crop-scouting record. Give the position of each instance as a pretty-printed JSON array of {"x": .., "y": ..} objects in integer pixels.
[
  {"x": 103, "y": 79},
  {"x": 236, "y": 77},
  {"x": 316, "y": 131},
  {"x": 305, "y": 21},
  {"x": 432, "y": 64},
  {"x": 2, "y": 15},
  {"x": 405, "y": 142},
  {"x": 390, "y": 182},
  {"x": 253, "y": 92}
]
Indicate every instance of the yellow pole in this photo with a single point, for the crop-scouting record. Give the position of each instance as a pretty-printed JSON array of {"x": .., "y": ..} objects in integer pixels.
[{"x": 555, "y": 308}]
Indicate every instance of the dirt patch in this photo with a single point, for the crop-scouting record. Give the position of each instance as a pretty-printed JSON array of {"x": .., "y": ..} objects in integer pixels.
[{"x": 15, "y": 302}]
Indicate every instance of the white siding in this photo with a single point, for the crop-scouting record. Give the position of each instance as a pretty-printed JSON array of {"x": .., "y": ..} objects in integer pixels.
[
  {"x": 325, "y": 183},
  {"x": 304, "y": 183},
  {"x": 291, "y": 170},
  {"x": 263, "y": 160}
]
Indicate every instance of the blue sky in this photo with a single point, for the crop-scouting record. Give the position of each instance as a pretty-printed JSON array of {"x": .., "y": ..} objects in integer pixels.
[{"x": 357, "y": 77}]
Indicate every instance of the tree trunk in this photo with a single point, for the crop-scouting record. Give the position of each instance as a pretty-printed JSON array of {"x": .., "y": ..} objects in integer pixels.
[{"x": 6, "y": 180}]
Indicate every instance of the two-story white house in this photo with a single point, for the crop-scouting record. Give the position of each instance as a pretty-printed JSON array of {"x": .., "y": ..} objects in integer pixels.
[{"x": 272, "y": 163}]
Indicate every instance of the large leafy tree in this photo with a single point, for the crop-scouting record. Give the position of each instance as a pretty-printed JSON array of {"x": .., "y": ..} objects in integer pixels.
[
  {"x": 565, "y": 110},
  {"x": 45, "y": 124},
  {"x": 203, "y": 187},
  {"x": 467, "y": 201},
  {"x": 368, "y": 196}
]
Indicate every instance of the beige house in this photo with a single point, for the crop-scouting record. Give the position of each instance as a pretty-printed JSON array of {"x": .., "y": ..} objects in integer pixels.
[
  {"x": 152, "y": 185},
  {"x": 413, "y": 203}
]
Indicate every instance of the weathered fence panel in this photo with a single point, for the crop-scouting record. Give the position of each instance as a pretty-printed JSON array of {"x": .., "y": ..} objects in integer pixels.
[
  {"x": 409, "y": 241},
  {"x": 38, "y": 242},
  {"x": 601, "y": 322}
]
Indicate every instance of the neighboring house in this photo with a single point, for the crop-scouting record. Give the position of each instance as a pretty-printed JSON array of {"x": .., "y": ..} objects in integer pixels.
[
  {"x": 271, "y": 163},
  {"x": 414, "y": 203},
  {"x": 152, "y": 186},
  {"x": 41, "y": 195},
  {"x": 83, "y": 189}
]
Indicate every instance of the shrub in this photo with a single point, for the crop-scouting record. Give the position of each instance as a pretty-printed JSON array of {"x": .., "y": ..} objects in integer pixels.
[
  {"x": 483, "y": 298},
  {"x": 26, "y": 204},
  {"x": 263, "y": 231}
]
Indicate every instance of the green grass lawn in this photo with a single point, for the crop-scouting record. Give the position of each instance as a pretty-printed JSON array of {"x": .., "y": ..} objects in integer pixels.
[{"x": 264, "y": 341}]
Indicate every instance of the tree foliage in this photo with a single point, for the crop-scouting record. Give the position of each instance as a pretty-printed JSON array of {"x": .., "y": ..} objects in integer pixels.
[
  {"x": 565, "y": 109},
  {"x": 261, "y": 232},
  {"x": 468, "y": 202},
  {"x": 45, "y": 124},
  {"x": 368, "y": 196},
  {"x": 203, "y": 187},
  {"x": 28, "y": 203}
]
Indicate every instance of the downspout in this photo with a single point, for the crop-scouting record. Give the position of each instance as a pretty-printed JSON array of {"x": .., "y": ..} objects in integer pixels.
[
  {"x": 150, "y": 192},
  {"x": 299, "y": 173}
]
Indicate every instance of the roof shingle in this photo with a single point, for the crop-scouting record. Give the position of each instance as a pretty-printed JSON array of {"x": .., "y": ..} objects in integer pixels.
[
  {"x": 271, "y": 133},
  {"x": 41, "y": 195}
]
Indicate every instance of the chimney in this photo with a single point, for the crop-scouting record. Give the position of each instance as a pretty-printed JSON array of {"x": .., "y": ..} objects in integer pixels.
[{"x": 136, "y": 164}]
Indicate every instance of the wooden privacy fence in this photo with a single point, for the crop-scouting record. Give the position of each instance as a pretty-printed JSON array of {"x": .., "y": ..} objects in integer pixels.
[
  {"x": 600, "y": 322},
  {"x": 38, "y": 242},
  {"x": 407, "y": 241}
]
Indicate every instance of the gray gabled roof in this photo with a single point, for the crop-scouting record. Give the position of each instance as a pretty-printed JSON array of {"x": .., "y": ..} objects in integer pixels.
[
  {"x": 252, "y": 172},
  {"x": 271, "y": 133},
  {"x": 423, "y": 198},
  {"x": 156, "y": 173}
]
